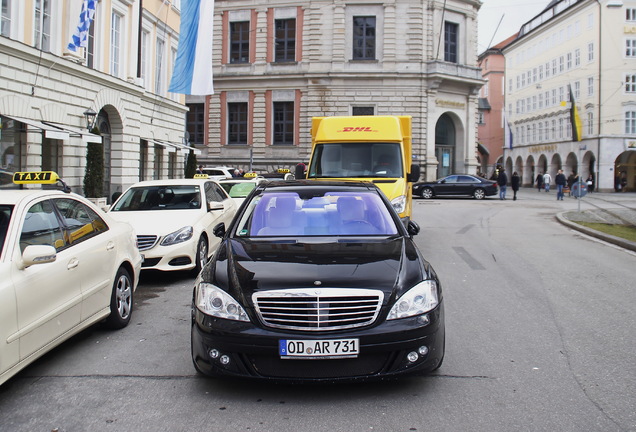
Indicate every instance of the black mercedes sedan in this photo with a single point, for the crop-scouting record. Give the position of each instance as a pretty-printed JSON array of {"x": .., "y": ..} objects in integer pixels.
[
  {"x": 317, "y": 281},
  {"x": 457, "y": 185}
]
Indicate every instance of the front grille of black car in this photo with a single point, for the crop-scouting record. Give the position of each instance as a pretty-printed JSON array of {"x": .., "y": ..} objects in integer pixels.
[
  {"x": 365, "y": 365},
  {"x": 320, "y": 309},
  {"x": 145, "y": 242}
]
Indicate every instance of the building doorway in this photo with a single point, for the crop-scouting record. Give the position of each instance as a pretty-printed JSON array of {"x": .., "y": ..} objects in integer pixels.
[{"x": 445, "y": 146}]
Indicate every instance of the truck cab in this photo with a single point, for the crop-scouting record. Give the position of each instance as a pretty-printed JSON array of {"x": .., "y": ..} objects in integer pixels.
[{"x": 366, "y": 148}]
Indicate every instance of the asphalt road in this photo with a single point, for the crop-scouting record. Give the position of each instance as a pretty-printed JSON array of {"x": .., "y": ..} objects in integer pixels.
[{"x": 539, "y": 323}]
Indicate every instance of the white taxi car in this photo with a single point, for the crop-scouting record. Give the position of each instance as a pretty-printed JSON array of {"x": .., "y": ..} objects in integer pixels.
[
  {"x": 174, "y": 220},
  {"x": 238, "y": 188},
  {"x": 64, "y": 265}
]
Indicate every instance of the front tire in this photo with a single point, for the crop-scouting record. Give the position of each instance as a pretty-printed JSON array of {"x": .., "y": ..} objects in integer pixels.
[
  {"x": 479, "y": 194},
  {"x": 427, "y": 193},
  {"x": 121, "y": 300},
  {"x": 202, "y": 254}
]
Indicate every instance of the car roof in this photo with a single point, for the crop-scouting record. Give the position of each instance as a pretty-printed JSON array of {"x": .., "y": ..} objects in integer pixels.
[
  {"x": 291, "y": 185},
  {"x": 172, "y": 182},
  {"x": 14, "y": 196},
  {"x": 241, "y": 179}
]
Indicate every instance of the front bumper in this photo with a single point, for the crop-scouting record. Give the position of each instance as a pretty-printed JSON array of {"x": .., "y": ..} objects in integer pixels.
[
  {"x": 180, "y": 256},
  {"x": 253, "y": 351}
]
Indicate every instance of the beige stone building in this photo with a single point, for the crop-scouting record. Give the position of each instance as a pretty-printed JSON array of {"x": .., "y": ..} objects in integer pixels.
[
  {"x": 588, "y": 46},
  {"x": 279, "y": 63},
  {"x": 122, "y": 75}
]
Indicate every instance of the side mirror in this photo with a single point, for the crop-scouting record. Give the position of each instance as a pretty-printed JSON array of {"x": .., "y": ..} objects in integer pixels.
[
  {"x": 215, "y": 205},
  {"x": 413, "y": 228},
  {"x": 38, "y": 254},
  {"x": 299, "y": 172},
  {"x": 414, "y": 175},
  {"x": 219, "y": 230}
]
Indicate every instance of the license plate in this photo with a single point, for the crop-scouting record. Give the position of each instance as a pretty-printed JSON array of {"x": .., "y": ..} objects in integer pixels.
[{"x": 319, "y": 349}]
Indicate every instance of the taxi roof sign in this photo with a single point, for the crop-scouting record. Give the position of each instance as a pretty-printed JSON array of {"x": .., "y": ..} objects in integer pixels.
[
  {"x": 250, "y": 175},
  {"x": 201, "y": 176},
  {"x": 35, "y": 177}
]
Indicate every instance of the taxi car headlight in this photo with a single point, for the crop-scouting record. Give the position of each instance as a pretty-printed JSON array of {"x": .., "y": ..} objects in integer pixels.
[
  {"x": 399, "y": 203},
  {"x": 420, "y": 299},
  {"x": 215, "y": 302},
  {"x": 179, "y": 236}
]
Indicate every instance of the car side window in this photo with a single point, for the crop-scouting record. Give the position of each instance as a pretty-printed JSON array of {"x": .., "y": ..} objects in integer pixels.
[
  {"x": 451, "y": 179},
  {"x": 213, "y": 192},
  {"x": 468, "y": 179},
  {"x": 41, "y": 227},
  {"x": 5, "y": 216},
  {"x": 81, "y": 221}
]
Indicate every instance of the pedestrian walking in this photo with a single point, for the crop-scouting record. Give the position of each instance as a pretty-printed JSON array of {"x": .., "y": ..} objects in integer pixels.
[
  {"x": 515, "y": 181},
  {"x": 560, "y": 181},
  {"x": 502, "y": 181},
  {"x": 570, "y": 183},
  {"x": 590, "y": 183},
  {"x": 539, "y": 182},
  {"x": 547, "y": 179}
]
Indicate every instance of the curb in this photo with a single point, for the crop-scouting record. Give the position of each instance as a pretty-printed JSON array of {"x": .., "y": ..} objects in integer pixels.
[{"x": 618, "y": 241}]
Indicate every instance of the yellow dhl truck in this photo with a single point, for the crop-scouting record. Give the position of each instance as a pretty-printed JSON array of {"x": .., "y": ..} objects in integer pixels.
[{"x": 365, "y": 148}]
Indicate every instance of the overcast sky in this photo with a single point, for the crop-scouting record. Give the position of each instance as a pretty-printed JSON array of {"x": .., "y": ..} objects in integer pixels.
[{"x": 515, "y": 13}]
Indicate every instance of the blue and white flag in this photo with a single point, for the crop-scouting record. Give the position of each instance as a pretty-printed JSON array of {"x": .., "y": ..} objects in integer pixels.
[
  {"x": 507, "y": 133},
  {"x": 192, "y": 74},
  {"x": 80, "y": 37}
]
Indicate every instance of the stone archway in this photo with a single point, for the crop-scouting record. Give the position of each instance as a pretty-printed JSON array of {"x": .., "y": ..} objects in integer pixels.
[
  {"x": 571, "y": 165},
  {"x": 625, "y": 169},
  {"x": 445, "y": 146},
  {"x": 530, "y": 173},
  {"x": 111, "y": 129}
]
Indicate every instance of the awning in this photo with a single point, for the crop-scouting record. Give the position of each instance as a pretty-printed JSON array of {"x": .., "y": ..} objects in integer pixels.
[
  {"x": 49, "y": 131},
  {"x": 174, "y": 146},
  {"x": 86, "y": 136},
  {"x": 162, "y": 144},
  {"x": 483, "y": 150},
  {"x": 483, "y": 104}
]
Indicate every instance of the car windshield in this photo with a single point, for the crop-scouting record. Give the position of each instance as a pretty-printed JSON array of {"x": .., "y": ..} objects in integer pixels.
[
  {"x": 160, "y": 197},
  {"x": 330, "y": 214},
  {"x": 357, "y": 160},
  {"x": 238, "y": 189}
]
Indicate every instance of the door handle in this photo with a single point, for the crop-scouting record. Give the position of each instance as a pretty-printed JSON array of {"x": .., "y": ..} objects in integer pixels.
[
  {"x": 73, "y": 263},
  {"x": 110, "y": 246}
]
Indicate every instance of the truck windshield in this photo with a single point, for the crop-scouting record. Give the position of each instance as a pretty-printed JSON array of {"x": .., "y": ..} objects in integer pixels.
[{"x": 356, "y": 160}]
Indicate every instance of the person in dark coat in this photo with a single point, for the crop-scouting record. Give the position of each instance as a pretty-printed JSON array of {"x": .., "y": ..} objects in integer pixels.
[
  {"x": 516, "y": 180},
  {"x": 539, "y": 182},
  {"x": 560, "y": 181},
  {"x": 502, "y": 181}
]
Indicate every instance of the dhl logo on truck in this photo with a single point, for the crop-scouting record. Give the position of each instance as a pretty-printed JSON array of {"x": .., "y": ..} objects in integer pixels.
[{"x": 357, "y": 129}]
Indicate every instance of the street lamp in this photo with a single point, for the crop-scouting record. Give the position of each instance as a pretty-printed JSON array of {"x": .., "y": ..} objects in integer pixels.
[{"x": 90, "y": 116}]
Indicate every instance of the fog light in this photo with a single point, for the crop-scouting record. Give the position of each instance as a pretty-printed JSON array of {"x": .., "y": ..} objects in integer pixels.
[
  {"x": 225, "y": 360},
  {"x": 423, "y": 350},
  {"x": 412, "y": 356},
  {"x": 214, "y": 353}
]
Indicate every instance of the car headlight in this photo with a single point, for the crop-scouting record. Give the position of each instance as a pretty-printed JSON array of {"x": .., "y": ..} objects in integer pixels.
[
  {"x": 179, "y": 236},
  {"x": 399, "y": 203},
  {"x": 215, "y": 302},
  {"x": 420, "y": 299}
]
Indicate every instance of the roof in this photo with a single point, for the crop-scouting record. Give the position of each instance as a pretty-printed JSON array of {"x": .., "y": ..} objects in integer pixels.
[{"x": 13, "y": 196}]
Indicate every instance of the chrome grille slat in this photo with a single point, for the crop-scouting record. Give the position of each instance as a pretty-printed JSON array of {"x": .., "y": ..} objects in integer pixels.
[
  {"x": 145, "y": 242},
  {"x": 318, "y": 309}
]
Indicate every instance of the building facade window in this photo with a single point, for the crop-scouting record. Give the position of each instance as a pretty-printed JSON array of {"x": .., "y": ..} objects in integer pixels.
[
  {"x": 115, "y": 44},
  {"x": 569, "y": 61},
  {"x": 547, "y": 70},
  {"x": 237, "y": 123},
  {"x": 145, "y": 56},
  {"x": 590, "y": 86},
  {"x": 630, "y": 83},
  {"x": 283, "y": 123},
  {"x": 590, "y": 123},
  {"x": 630, "y": 122},
  {"x": 364, "y": 37},
  {"x": 42, "y": 24},
  {"x": 89, "y": 52},
  {"x": 630, "y": 14},
  {"x": 285, "y": 40},
  {"x": 239, "y": 42},
  {"x": 159, "y": 66},
  {"x": 5, "y": 23},
  {"x": 195, "y": 123},
  {"x": 577, "y": 89},
  {"x": 630, "y": 48},
  {"x": 362, "y": 110},
  {"x": 156, "y": 171},
  {"x": 561, "y": 64},
  {"x": 451, "y": 42},
  {"x": 590, "y": 52},
  {"x": 143, "y": 159},
  {"x": 577, "y": 57}
]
